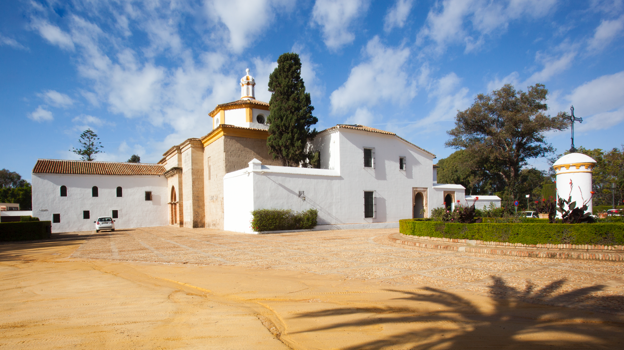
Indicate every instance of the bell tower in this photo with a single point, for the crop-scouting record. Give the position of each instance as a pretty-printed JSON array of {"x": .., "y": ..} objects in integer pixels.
[{"x": 247, "y": 87}]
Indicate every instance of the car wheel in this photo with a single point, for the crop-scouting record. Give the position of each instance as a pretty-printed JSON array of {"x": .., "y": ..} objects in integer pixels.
[
  {"x": 96, "y": 231},
  {"x": 112, "y": 230}
]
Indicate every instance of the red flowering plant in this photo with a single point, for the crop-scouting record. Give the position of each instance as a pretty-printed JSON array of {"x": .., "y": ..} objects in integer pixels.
[
  {"x": 462, "y": 214},
  {"x": 570, "y": 212}
]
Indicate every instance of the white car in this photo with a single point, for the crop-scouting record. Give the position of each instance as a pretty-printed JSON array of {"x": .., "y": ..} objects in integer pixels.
[
  {"x": 104, "y": 223},
  {"x": 530, "y": 214},
  {"x": 615, "y": 212}
]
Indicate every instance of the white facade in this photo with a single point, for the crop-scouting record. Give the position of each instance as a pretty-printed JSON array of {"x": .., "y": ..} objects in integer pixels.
[
  {"x": 574, "y": 177},
  {"x": 337, "y": 189},
  {"x": 132, "y": 207}
]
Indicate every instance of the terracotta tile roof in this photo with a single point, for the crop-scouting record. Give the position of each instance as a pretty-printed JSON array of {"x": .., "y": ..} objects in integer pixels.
[
  {"x": 54, "y": 166},
  {"x": 359, "y": 127},
  {"x": 233, "y": 104},
  {"x": 373, "y": 130}
]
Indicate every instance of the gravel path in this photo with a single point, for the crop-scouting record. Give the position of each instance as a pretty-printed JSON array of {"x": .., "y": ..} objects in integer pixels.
[{"x": 369, "y": 255}]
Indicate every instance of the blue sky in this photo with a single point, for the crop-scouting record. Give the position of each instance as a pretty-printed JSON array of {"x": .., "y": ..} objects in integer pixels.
[{"x": 145, "y": 74}]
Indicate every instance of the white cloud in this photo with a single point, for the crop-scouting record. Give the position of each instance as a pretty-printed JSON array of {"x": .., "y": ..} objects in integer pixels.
[
  {"x": 449, "y": 97},
  {"x": 245, "y": 20},
  {"x": 11, "y": 42},
  {"x": 335, "y": 19},
  {"x": 384, "y": 76},
  {"x": 261, "y": 74},
  {"x": 467, "y": 22},
  {"x": 498, "y": 83},
  {"x": 90, "y": 120},
  {"x": 552, "y": 66},
  {"x": 605, "y": 33},
  {"x": 40, "y": 114},
  {"x": 56, "y": 98},
  {"x": 53, "y": 34},
  {"x": 361, "y": 116},
  {"x": 397, "y": 14}
]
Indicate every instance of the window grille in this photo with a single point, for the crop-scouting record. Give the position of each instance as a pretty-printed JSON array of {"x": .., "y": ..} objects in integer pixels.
[
  {"x": 402, "y": 163},
  {"x": 148, "y": 195},
  {"x": 369, "y": 158},
  {"x": 56, "y": 218},
  {"x": 63, "y": 191},
  {"x": 94, "y": 191},
  {"x": 86, "y": 214},
  {"x": 369, "y": 204},
  {"x": 115, "y": 214}
]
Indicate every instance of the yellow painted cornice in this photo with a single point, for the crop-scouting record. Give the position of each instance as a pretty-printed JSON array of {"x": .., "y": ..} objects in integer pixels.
[
  {"x": 588, "y": 166},
  {"x": 236, "y": 132},
  {"x": 238, "y": 106}
]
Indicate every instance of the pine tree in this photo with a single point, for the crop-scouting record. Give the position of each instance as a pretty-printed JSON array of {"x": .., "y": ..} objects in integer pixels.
[
  {"x": 91, "y": 145},
  {"x": 290, "y": 114}
]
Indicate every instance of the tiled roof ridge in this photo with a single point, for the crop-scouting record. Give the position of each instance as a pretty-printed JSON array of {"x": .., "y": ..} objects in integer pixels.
[{"x": 81, "y": 167}]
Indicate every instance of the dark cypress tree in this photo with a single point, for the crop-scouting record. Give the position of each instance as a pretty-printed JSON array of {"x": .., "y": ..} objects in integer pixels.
[{"x": 290, "y": 114}]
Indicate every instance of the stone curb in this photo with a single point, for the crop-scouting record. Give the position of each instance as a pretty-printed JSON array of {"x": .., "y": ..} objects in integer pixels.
[{"x": 523, "y": 251}]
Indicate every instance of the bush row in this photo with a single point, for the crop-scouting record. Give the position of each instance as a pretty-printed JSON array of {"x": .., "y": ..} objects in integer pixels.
[
  {"x": 525, "y": 233},
  {"x": 25, "y": 230},
  {"x": 276, "y": 220},
  {"x": 596, "y": 209}
]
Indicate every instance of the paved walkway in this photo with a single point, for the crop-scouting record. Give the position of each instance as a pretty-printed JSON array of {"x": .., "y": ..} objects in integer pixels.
[{"x": 371, "y": 255}]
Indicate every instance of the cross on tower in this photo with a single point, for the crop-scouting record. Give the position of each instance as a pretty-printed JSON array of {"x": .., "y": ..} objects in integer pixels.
[{"x": 572, "y": 120}]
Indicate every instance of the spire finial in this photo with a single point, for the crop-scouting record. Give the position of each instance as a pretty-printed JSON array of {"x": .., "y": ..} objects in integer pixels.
[{"x": 247, "y": 71}]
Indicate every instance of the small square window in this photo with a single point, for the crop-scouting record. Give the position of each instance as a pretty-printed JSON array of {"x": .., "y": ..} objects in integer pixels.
[
  {"x": 56, "y": 218},
  {"x": 115, "y": 214},
  {"x": 148, "y": 195},
  {"x": 85, "y": 214},
  {"x": 402, "y": 163}
]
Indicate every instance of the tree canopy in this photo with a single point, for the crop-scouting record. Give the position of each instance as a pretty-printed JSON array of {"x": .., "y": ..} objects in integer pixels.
[
  {"x": 290, "y": 116},
  {"x": 134, "y": 159},
  {"x": 505, "y": 129},
  {"x": 11, "y": 179},
  {"x": 90, "y": 145}
]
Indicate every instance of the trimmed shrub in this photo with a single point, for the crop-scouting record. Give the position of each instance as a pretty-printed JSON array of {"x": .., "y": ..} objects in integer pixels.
[
  {"x": 525, "y": 233},
  {"x": 278, "y": 219},
  {"x": 25, "y": 230},
  {"x": 28, "y": 218},
  {"x": 596, "y": 209}
]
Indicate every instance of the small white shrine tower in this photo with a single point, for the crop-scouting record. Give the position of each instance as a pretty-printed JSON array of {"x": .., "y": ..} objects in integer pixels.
[
  {"x": 248, "y": 84},
  {"x": 575, "y": 168}
]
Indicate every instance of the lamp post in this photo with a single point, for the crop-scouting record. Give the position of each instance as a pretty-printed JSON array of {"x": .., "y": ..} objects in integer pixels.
[{"x": 527, "y": 197}]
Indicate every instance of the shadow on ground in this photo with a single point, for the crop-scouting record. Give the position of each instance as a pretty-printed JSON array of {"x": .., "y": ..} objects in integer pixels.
[{"x": 517, "y": 319}]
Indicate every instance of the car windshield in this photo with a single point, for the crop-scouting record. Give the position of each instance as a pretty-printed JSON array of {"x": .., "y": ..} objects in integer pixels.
[{"x": 105, "y": 219}]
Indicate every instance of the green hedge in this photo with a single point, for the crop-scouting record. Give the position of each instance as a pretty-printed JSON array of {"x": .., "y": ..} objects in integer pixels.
[
  {"x": 525, "y": 233},
  {"x": 277, "y": 220},
  {"x": 25, "y": 230},
  {"x": 28, "y": 218},
  {"x": 596, "y": 209},
  {"x": 523, "y": 220}
]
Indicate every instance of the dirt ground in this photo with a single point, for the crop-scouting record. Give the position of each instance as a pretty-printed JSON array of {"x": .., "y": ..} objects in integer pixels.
[{"x": 170, "y": 288}]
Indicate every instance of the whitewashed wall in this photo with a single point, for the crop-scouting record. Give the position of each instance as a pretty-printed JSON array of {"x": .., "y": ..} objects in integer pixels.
[
  {"x": 484, "y": 202},
  {"x": 133, "y": 209},
  {"x": 337, "y": 191}
]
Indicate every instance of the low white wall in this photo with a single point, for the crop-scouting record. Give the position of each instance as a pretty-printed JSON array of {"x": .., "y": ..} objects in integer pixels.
[
  {"x": 133, "y": 209},
  {"x": 238, "y": 201},
  {"x": 484, "y": 202},
  {"x": 16, "y": 213}
]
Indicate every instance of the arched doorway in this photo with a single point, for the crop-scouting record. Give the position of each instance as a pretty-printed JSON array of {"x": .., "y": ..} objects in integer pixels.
[
  {"x": 419, "y": 205},
  {"x": 448, "y": 202},
  {"x": 174, "y": 206}
]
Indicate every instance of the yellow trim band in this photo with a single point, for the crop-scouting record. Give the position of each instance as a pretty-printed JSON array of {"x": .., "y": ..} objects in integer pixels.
[
  {"x": 249, "y": 112},
  {"x": 236, "y": 132},
  {"x": 238, "y": 106},
  {"x": 589, "y": 166}
]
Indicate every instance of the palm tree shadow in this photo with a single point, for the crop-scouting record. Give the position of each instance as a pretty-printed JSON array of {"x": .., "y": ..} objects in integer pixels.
[{"x": 514, "y": 317}]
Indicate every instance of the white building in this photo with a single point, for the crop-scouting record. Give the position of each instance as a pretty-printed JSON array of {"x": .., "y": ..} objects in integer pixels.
[
  {"x": 73, "y": 194},
  {"x": 367, "y": 176},
  {"x": 574, "y": 179}
]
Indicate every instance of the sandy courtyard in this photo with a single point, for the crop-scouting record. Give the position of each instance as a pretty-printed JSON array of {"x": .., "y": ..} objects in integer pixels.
[{"x": 176, "y": 288}]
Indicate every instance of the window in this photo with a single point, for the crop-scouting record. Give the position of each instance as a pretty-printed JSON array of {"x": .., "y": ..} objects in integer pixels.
[
  {"x": 260, "y": 119},
  {"x": 119, "y": 192},
  {"x": 402, "y": 163},
  {"x": 56, "y": 218},
  {"x": 85, "y": 214},
  {"x": 115, "y": 214},
  {"x": 63, "y": 191},
  {"x": 148, "y": 195},
  {"x": 94, "y": 191},
  {"x": 369, "y": 158},
  {"x": 369, "y": 204}
]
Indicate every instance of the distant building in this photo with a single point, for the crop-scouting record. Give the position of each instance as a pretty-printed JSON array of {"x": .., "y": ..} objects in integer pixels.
[
  {"x": 367, "y": 177},
  {"x": 9, "y": 206}
]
